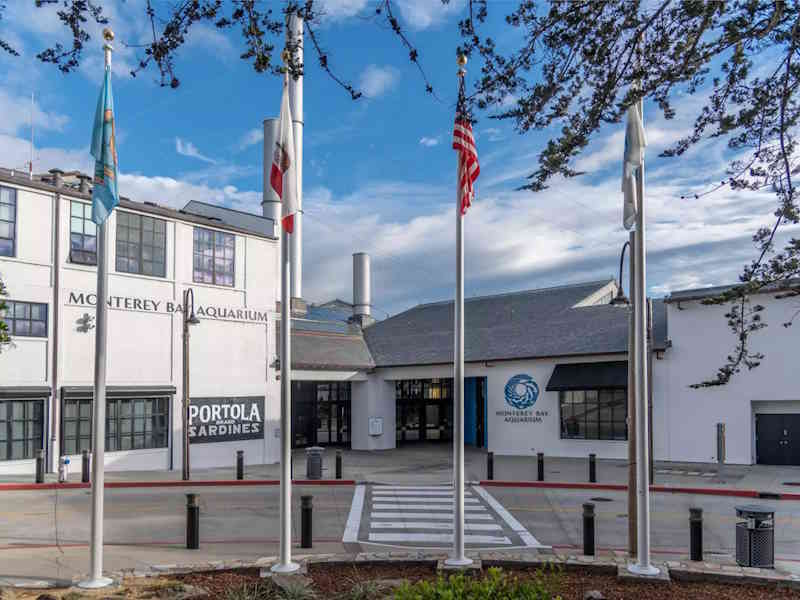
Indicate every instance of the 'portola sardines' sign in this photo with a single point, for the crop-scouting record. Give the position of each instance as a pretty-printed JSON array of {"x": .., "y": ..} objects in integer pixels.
[{"x": 226, "y": 419}]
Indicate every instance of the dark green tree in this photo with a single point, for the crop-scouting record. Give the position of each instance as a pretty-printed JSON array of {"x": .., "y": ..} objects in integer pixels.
[
  {"x": 5, "y": 338},
  {"x": 579, "y": 65}
]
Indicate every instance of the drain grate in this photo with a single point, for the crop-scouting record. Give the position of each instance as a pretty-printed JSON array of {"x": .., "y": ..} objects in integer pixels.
[{"x": 601, "y": 499}]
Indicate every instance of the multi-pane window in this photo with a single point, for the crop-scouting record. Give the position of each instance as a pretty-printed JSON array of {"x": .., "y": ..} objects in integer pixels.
[
  {"x": 594, "y": 414},
  {"x": 8, "y": 221},
  {"x": 141, "y": 244},
  {"x": 82, "y": 234},
  {"x": 131, "y": 424},
  {"x": 21, "y": 428},
  {"x": 213, "y": 257},
  {"x": 28, "y": 319}
]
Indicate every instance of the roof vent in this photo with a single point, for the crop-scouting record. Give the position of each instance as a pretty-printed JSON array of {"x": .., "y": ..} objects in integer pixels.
[{"x": 150, "y": 203}]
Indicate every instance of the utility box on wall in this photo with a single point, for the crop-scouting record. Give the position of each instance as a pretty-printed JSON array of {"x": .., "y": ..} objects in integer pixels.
[{"x": 376, "y": 425}]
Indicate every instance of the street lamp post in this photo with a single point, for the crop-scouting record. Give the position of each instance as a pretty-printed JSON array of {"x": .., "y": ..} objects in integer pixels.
[
  {"x": 622, "y": 300},
  {"x": 189, "y": 318}
]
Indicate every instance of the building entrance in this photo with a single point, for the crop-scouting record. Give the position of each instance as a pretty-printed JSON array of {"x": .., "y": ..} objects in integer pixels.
[
  {"x": 778, "y": 439},
  {"x": 320, "y": 413},
  {"x": 424, "y": 410}
]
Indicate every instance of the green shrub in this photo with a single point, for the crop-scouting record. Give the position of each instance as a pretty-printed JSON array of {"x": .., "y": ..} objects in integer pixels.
[
  {"x": 496, "y": 585},
  {"x": 262, "y": 590}
]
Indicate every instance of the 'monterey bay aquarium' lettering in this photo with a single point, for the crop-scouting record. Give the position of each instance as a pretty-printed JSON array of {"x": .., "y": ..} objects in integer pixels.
[{"x": 230, "y": 313}]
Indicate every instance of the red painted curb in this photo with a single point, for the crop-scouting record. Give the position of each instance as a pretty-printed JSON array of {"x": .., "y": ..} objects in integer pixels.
[
  {"x": 621, "y": 487},
  {"x": 17, "y": 487}
]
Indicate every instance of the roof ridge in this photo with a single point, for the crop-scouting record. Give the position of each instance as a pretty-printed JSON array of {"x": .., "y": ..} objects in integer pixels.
[
  {"x": 518, "y": 292},
  {"x": 242, "y": 212}
]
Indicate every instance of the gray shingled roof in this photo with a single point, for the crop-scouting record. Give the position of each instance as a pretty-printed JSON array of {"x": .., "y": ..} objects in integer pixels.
[
  {"x": 529, "y": 324},
  {"x": 333, "y": 351},
  {"x": 709, "y": 292},
  {"x": 235, "y": 218}
]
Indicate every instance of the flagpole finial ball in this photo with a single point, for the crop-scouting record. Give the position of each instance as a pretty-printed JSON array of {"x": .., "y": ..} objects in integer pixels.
[
  {"x": 462, "y": 60},
  {"x": 108, "y": 35}
]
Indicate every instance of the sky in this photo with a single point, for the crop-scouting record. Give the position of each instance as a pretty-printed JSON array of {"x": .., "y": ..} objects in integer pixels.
[{"x": 379, "y": 173}]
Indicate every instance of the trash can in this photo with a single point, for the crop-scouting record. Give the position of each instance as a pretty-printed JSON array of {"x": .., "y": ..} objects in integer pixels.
[
  {"x": 755, "y": 536},
  {"x": 314, "y": 462}
]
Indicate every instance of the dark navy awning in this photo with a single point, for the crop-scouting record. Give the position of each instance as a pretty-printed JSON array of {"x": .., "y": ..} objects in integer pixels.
[{"x": 589, "y": 376}]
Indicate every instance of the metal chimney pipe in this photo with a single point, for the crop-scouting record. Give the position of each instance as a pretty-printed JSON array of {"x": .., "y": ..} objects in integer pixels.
[
  {"x": 58, "y": 177},
  {"x": 362, "y": 296},
  {"x": 270, "y": 203},
  {"x": 84, "y": 183}
]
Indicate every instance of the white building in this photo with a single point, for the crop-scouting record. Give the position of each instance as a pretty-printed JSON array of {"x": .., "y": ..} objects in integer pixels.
[{"x": 546, "y": 370}]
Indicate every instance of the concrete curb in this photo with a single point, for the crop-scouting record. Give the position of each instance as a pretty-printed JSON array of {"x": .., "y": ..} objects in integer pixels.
[
  {"x": 621, "y": 487},
  {"x": 17, "y": 487}
]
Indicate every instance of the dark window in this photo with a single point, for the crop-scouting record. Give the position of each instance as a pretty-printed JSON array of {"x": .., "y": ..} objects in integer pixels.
[
  {"x": 141, "y": 244},
  {"x": 82, "y": 234},
  {"x": 213, "y": 257},
  {"x": 21, "y": 426},
  {"x": 594, "y": 414},
  {"x": 8, "y": 221},
  {"x": 27, "y": 319},
  {"x": 131, "y": 424},
  {"x": 424, "y": 410},
  {"x": 320, "y": 413}
]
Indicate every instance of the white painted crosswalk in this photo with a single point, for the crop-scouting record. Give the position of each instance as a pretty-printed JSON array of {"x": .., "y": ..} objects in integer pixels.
[{"x": 423, "y": 516}]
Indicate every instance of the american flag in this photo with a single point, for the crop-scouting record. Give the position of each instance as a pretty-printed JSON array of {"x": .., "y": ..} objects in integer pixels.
[{"x": 468, "y": 167}]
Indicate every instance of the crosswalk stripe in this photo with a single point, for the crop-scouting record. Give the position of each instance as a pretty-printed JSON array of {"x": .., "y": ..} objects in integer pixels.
[
  {"x": 442, "y": 538},
  {"x": 428, "y": 515},
  {"x": 418, "y": 499},
  {"x": 446, "y": 525},
  {"x": 413, "y": 487},
  {"x": 415, "y": 493},
  {"x": 354, "y": 518},
  {"x": 448, "y": 507}
]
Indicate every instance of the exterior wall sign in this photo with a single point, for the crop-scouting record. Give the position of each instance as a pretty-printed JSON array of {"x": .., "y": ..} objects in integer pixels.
[
  {"x": 226, "y": 419},
  {"x": 521, "y": 393},
  {"x": 168, "y": 306}
]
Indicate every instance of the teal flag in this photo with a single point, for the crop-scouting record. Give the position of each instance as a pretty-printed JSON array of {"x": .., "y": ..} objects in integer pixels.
[{"x": 105, "y": 193}]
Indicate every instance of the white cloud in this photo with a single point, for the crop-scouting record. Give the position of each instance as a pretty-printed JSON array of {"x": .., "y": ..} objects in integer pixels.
[
  {"x": 186, "y": 148},
  {"x": 252, "y": 137},
  {"x": 492, "y": 134},
  {"x": 376, "y": 81},
  {"x": 429, "y": 141},
  {"x": 422, "y": 14},
  {"x": 336, "y": 10},
  {"x": 16, "y": 115}
]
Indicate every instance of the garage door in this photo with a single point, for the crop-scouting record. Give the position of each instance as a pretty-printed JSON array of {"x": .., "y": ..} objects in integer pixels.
[{"x": 778, "y": 439}]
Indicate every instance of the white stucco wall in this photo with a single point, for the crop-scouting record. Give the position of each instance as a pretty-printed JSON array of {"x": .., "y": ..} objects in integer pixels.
[
  {"x": 686, "y": 418},
  {"x": 229, "y": 355},
  {"x": 509, "y": 438}
]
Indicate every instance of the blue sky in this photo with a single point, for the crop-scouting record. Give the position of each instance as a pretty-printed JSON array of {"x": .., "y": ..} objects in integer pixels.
[{"x": 379, "y": 172}]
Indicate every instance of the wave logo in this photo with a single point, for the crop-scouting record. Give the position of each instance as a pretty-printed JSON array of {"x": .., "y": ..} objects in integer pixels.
[{"x": 521, "y": 392}]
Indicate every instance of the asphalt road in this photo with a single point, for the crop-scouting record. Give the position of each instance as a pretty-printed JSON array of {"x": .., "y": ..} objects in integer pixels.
[{"x": 148, "y": 524}]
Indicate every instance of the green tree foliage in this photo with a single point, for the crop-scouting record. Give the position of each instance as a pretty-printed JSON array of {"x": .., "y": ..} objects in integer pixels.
[
  {"x": 5, "y": 338},
  {"x": 578, "y": 66}
]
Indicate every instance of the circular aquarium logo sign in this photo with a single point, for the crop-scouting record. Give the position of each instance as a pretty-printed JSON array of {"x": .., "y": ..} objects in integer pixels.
[{"x": 521, "y": 392}]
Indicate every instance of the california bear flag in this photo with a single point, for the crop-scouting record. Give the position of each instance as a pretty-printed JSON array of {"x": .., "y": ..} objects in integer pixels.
[{"x": 283, "y": 175}]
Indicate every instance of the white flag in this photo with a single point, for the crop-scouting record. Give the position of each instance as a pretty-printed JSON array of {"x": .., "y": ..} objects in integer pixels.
[
  {"x": 635, "y": 143},
  {"x": 283, "y": 175}
]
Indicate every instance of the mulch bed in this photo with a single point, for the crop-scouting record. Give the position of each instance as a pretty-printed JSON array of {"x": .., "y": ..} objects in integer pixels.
[{"x": 331, "y": 580}]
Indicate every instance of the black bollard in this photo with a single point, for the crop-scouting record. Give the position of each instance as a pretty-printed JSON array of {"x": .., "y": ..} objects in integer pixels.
[
  {"x": 696, "y": 533},
  {"x": 338, "y": 464},
  {"x": 490, "y": 466},
  {"x": 306, "y": 522},
  {"x": 240, "y": 464},
  {"x": 588, "y": 529},
  {"x": 592, "y": 468},
  {"x": 85, "y": 466},
  {"x": 40, "y": 466},
  {"x": 540, "y": 466},
  {"x": 192, "y": 522}
]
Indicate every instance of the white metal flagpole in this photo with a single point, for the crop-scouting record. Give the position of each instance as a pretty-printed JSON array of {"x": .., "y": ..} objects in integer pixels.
[
  {"x": 96, "y": 579},
  {"x": 642, "y": 566},
  {"x": 285, "y": 564},
  {"x": 458, "y": 558}
]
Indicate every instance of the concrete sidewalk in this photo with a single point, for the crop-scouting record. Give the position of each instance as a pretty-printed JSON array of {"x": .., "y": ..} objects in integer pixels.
[{"x": 432, "y": 464}]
